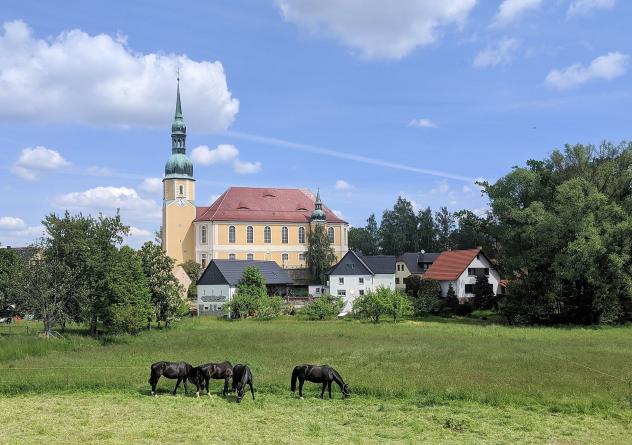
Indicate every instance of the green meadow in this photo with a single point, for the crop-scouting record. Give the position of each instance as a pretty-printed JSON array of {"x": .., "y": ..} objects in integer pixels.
[{"x": 439, "y": 381}]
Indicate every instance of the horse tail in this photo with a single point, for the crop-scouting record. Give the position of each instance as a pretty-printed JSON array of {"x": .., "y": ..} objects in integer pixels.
[{"x": 294, "y": 378}]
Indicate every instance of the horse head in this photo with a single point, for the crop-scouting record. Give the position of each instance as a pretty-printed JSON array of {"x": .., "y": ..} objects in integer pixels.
[
  {"x": 241, "y": 392},
  {"x": 345, "y": 391}
]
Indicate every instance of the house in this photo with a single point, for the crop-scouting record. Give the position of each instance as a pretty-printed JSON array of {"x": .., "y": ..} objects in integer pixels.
[
  {"x": 356, "y": 274},
  {"x": 412, "y": 263},
  {"x": 218, "y": 282},
  {"x": 460, "y": 268}
]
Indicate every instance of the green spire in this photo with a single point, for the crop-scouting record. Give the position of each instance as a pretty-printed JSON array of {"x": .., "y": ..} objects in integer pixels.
[
  {"x": 178, "y": 165},
  {"x": 318, "y": 215},
  {"x": 178, "y": 106}
]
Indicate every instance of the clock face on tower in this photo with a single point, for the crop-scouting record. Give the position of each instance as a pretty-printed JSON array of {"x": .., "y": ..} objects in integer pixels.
[{"x": 180, "y": 202}]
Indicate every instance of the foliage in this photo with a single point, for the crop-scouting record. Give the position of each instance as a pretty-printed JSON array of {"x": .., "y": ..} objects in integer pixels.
[
  {"x": 365, "y": 239},
  {"x": 564, "y": 231},
  {"x": 451, "y": 299},
  {"x": 194, "y": 270},
  {"x": 399, "y": 305},
  {"x": 427, "y": 299},
  {"x": 165, "y": 290},
  {"x": 383, "y": 302},
  {"x": 397, "y": 227},
  {"x": 426, "y": 236},
  {"x": 270, "y": 307},
  {"x": 413, "y": 283},
  {"x": 483, "y": 291},
  {"x": 251, "y": 298},
  {"x": 10, "y": 265},
  {"x": 87, "y": 247},
  {"x": 324, "y": 307},
  {"x": 444, "y": 227},
  {"x": 320, "y": 255},
  {"x": 129, "y": 300}
]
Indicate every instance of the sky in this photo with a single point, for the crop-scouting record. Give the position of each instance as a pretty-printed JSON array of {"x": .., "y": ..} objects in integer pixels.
[{"x": 366, "y": 100}]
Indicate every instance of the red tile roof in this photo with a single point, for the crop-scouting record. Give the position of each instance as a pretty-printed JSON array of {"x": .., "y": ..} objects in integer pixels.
[
  {"x": 251, "y": 204},
  {"x": 450, "y": 265}
]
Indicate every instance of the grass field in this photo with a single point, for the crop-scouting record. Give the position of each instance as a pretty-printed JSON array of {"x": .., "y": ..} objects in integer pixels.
[{"x": 438, "y": 381}]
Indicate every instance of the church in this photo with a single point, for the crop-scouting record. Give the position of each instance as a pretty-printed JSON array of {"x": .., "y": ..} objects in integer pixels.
[{"x": 244, "y": 223}]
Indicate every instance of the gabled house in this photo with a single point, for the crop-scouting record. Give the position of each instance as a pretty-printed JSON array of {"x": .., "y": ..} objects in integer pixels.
[
  {"x": 356, "y": 274},
  {"x": 218, "y": 282},
  {"x": 412, "y": 263},
  {"x": 460, "y": 268}
]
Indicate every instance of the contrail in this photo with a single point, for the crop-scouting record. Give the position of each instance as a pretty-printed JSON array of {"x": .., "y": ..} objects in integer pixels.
[{"x": 340, "y": 154}]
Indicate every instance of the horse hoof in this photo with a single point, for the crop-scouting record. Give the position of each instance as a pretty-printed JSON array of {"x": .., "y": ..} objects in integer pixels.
[
  {"x": 197, "y": 394},
  {"x": 300, "y": 398}
]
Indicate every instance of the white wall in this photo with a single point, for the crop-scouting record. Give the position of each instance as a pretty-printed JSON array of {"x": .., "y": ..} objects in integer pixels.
[
  {"x": 219, "y": 294},
  {"x": 464, "y": 278},
  {"x": 352, "y": 286}
]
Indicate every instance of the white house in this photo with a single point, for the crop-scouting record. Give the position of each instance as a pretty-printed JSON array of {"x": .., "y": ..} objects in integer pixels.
[
  {"x": 460, "y": 268},
  {"x": 218, "y": 282},
  {"x": 354, "y": 275}
]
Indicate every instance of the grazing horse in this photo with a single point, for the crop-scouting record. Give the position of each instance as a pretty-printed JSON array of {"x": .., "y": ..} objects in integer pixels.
[
  {"x": 171, "y": 370},
  {"x": 200, "y": 376},
  {"x": 242, "y": 377},
  {"x": 324, "y": 374}
]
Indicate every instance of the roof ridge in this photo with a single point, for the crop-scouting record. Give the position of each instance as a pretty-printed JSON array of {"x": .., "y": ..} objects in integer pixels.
[{"x": 223, "y": 197}]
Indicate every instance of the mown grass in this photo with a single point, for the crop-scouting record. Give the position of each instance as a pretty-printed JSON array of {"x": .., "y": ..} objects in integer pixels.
[{"x": 509, "y": 380}]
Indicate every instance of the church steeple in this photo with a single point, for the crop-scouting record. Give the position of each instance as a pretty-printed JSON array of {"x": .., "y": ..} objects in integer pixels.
[
  {"x": 318, "y": 215},
  {"x": 178, "y": 165}
]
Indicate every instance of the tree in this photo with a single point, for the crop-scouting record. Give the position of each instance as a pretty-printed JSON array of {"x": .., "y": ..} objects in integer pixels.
[
  {"x": 129, "y": 297},
  {"x": 194, "y": 270},
  {"x": 398, "y": 230},
  {"x": 444, "y": 226},
  {"x": 320, "y": 255},
  {"x": 165, "y": 290},
  {"x": 413, "y": 283},
  {"x": 564, "y": 230},
  {"x": 427, "y": 300},
  {"x": 451, "y": 299},
  {"x": 270, "y": 307},
  {"x": 10, "y": 265},
  {"x": 251, "y": 295},
  {"x": 373, "y": 304},
  {"x": 483, "y": 291},
  {"x": 399, "y": 305},
  {"x": 86, "y": 246},
  {"x": 426, "y": 230},
  {"x": 373, "y": 232},
  {"x": 471, "y": 232},
  {"x": 324, "y": 307}
]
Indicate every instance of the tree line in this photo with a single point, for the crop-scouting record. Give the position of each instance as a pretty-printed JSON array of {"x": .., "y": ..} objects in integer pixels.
[{"x": 80, "y": 272}]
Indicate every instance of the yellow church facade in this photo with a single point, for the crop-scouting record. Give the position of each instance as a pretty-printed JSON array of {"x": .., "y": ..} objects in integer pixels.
[{"x": 244, "y": 223}]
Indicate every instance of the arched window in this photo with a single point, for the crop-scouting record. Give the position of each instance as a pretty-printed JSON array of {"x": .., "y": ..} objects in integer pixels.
[
  {"x": 284, "y": 235},
  {"x": 231, "y": 234},
  {"x": 285, "y": 257},
  {"x": 330, "y": 235},
  {"x": 203, "y": 235},
  {"x": 250, "y": 234},
  {"x": 203, "y": 261},
  {"x": 301, "y": 235},
  {"x": 267, "y": 235},
  {"x": 232, "y": 256},
  {"x": 182, "y": 190}
]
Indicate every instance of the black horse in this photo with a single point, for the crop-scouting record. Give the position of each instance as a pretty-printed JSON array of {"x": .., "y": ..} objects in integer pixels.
[
  {"x": 324, "y": 374},
  {"x": 201, "y": 375},
  {"x": 242, "y": 377},
  {"x": 171, "y": 370}
]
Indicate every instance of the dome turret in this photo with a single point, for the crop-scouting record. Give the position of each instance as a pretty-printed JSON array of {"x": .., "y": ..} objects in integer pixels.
[
  {"x": 318, "y": 215},
  {"x": 178, "y": 165}
]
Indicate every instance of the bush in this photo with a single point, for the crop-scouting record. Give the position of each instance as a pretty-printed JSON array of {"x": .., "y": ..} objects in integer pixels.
[
  {"x": 382, "y": 302},
  {"x": 428, "y": 298},
  {"x": 322, "y": 308},
  {"x": 399, "y": 305},
  {"x": 484, "y": 297},
  {"x": 270, "y": 307}
]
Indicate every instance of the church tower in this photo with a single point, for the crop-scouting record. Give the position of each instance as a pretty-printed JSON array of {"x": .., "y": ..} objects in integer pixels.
[{"x": 178, "y": 209}]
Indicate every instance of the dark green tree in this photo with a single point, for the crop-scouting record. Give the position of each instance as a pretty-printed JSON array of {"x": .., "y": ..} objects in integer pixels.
[
  {"x": 451, "y": 299},
  {"x": 365, "y": 239},
  {"x": 413, "y": 283},
  {"x": 426, "y": 236},
  {"x": 483, "y": 291},
  {"x": 427, "y": 300},
  {"x": 194, "y": 271},
  {"x": 320, "y": 256},
  {"x": 251, "y": 298},
  {"x": 398, "y": 229},
  {"x": 10, "y": 266},
  {"x": 444, "y": 226}
]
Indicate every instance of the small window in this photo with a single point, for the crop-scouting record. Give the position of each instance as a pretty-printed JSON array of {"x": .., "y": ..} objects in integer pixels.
[
  {"x": 267, "y": 235},
  {"x": 331, "y": 235},
  {"x": 471, "y": 271},
  {"x": 284, "y": 235},
  {"x": 318, "y": 290},
  {"x": 232, "y": 256},
  {"x": 203, "y": 235},
  {"x": 231, "y": 234},
  {"x": 302, "y": 256},
  {"x": 361, "y": 280},
  {"x": 341, "y": 280},
  {"x": 361, "y": 292},
  {"x": 203, "y": 261},
  {"x": 181, "y": 190},
  {"x": 469, "y": 288},
  {"x": 396, "y": 280},
  {"x": 250, "y": 235},
  {"x": 487, "y": 271},
  {"x": 251, "y": 256},
  {"x": 342, "y": 293},
  {"x": 301, "y": 235},
  {"x": 285, "y": 257}
]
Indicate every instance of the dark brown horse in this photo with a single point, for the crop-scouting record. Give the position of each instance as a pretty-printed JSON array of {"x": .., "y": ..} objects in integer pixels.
[
  {"x": 171, "y": 370},
  {"x": 242, "y": 377},
  {"x": 201, "y": 375},
  {"x": 324, "y": 374}
]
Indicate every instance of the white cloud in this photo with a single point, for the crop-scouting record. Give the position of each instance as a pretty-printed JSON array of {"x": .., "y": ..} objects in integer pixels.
[
  {"x": 607, "y": 67},
  {"x": 377, "y": 28},
  {"x": 99, "y": 80},
  {"x": 136, "y": 232},
  {"x": 583, "y": 7},
  {"x": 338, "y": 213},
  {"x": 511, "y": 10},
  {"x": 204, "y": 155},
  {"x": 341, "y": 184},
  {"x": 151, "y": 185},
  {"x": 246, "y": 168},
  {"x": 11, "y": 223},
  {"x": 106, "y": 199},
  {"x": 34, "y": 160},
  {"x": 422, "y": 123},
  {"x": 501, "y": 53}
]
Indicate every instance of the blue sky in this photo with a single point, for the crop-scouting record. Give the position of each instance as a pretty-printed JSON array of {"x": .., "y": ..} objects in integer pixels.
[{"x": 365, "y": 99}]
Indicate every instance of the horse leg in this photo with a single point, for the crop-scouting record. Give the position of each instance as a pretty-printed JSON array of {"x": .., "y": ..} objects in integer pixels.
[
  {"x": 252, "y": 390},
  {"x": 184, "y": 380},
  {"x": 153, "y": 383},
  {"x": 322, "y": 393},
  {"x": 300, "y": 388},
  {"x": 225, "y": 387},
  {"x": 177, "y": 384},
  {"x": 329, "y": 388}
]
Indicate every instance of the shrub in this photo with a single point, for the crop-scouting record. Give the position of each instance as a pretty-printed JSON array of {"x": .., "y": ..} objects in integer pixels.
[
  {"x": 270, "y": 307},
  {"x": 399, "y": 305},
  {"x": 428, "y": 297},
  {"x": 484, "y": 297},
  {"x": 382, "y": 302},
  {"x": 451, "y": 300},
  {"x": 325, "y": 307}
]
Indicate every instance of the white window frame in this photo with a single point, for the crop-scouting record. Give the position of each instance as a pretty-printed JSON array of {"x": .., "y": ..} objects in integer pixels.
[
  {"x": 285, "y": 235},
  {"x": 341, "y": 280},
  {"x": 203, "y": 235},
  {"x": 360, "y": 280},
  {"x": 267, "y": 235},
  {"x": 203, "y": 261},
  {"x": 232, "y": 234},
  {"x": 250, "y": 234},
  {"x": 301, "y": 235},
  {"x": 232, "y": 256}
]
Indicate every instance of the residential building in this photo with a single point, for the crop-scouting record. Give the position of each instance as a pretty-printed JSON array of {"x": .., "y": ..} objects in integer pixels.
[
  {"x": 356, "y": 274},
  {"x": 460, "y": 268},
  {"x": 218, "y": 282},
  {"x": 412, "y": 263},
  {"x": 244, "y": 223}
]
